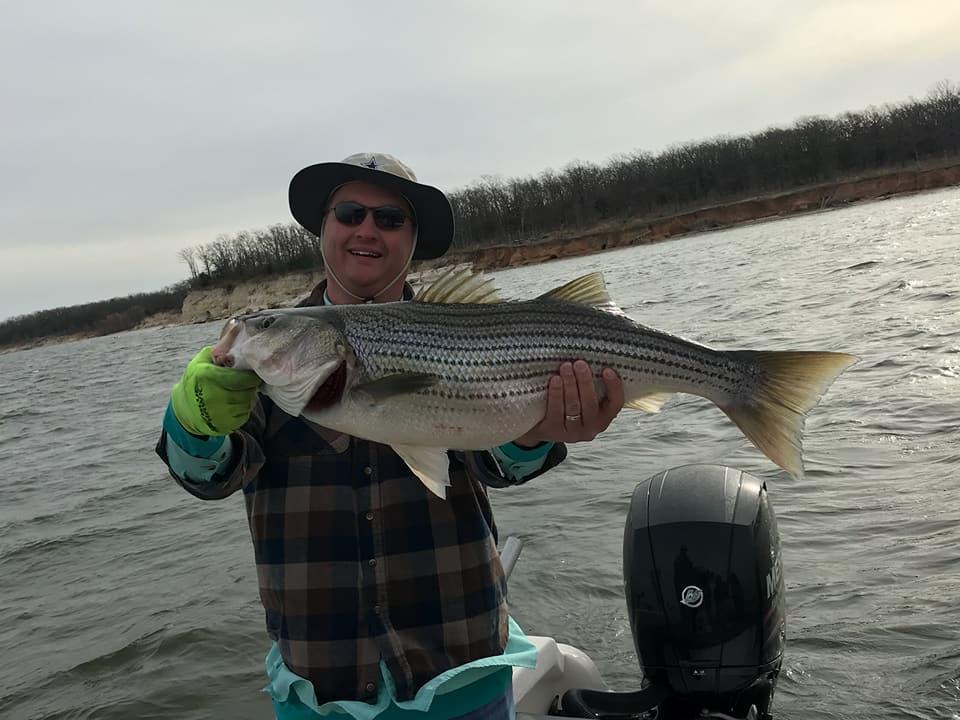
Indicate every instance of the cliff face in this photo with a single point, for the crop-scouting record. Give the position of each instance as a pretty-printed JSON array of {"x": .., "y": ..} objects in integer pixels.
[
  {"x": 286, "y": 290},
  {"x": 276, "y": 291},
  {"x": 217, "y": 303}
]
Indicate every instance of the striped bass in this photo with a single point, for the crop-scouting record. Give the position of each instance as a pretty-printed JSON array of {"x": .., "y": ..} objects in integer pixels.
[{"x": 459, "y": 368}]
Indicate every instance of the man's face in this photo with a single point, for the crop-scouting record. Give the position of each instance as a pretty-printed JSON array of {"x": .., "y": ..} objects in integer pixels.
[{"x": 365, "y": 257}]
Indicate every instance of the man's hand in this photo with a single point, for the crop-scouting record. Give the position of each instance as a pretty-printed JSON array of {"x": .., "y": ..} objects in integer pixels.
[{"x": 574, "y": 413}]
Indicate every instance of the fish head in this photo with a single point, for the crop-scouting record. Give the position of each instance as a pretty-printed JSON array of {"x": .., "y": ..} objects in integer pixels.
[{"x": 296, "y": 354}]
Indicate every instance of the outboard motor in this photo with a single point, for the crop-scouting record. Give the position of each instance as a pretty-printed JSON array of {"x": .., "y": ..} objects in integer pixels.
[{"x": 705, "y": 593}]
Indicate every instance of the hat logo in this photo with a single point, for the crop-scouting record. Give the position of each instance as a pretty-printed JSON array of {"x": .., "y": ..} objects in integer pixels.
[
  {"x": 372, "y": 163},
  {"x": 692, "y": 596}
]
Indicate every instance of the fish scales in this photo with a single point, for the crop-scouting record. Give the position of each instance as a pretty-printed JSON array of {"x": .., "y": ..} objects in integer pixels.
[{"x": 468, "y": 346}]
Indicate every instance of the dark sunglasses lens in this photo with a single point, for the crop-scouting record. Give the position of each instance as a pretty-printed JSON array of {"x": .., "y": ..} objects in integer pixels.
[
  {"x": 389, "y": 218},
  {"x": 350, "y": 213}
]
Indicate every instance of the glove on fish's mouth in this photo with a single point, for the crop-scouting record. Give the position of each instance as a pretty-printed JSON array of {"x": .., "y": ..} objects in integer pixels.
[{"x": 330, "y": 391}]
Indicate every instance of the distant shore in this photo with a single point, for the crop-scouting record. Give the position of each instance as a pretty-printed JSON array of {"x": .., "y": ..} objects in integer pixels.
[{"x": 217, "y": 303}]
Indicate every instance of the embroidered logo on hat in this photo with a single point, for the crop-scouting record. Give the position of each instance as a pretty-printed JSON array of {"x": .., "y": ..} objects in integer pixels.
[{"x": 372, "y": 163}]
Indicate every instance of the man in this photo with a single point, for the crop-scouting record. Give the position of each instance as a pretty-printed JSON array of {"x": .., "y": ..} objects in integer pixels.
[{"x": 382, "y": 600}]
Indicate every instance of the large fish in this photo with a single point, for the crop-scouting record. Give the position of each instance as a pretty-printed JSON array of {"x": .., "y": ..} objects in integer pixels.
[{"x": 458, "y": 368}]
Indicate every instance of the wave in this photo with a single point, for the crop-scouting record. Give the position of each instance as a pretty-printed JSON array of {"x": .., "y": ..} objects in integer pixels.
[
  {"x": 100, "y": 687},
  {"x": 94, "y": 503},
  {"x": 858, "y": 266},
  {"x": 34, "y": 550}
]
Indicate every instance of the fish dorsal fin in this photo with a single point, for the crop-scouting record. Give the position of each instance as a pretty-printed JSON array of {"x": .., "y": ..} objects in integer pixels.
[
  {"x": 586, "y": 290},
  {"x": 460, "y": 285}
]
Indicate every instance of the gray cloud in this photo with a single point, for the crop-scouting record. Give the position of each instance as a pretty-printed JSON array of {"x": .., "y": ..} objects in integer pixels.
[{"x": 132, "y": 130}]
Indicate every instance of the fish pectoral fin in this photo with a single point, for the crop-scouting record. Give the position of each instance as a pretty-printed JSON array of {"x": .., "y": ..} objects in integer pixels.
[
  {"x": 588, "y": 290},
  {"x": 430, "y": 464},
  {"x": 391, "y": 386},
  {"x": 648, "y": 403}
]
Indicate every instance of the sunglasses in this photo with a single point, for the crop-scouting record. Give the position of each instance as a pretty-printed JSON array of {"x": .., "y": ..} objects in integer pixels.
[{"x": 386, "y": 217}]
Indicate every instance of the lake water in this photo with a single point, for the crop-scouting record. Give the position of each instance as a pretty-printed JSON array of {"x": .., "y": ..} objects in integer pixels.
[{"x": 122, "y": 596}]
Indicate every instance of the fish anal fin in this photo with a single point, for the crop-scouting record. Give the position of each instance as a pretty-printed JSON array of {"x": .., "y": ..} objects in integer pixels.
[
  {"x": 648, "y": 403},
  {"x": 430, "y": 464},
  {"x": 460, "y": 285}
]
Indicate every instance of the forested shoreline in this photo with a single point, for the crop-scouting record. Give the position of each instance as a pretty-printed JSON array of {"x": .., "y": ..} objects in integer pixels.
[{"x": 492, "y": 212}]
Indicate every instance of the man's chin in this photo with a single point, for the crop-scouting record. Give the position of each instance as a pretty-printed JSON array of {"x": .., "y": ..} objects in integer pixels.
[{"x": 367, "y": 282}]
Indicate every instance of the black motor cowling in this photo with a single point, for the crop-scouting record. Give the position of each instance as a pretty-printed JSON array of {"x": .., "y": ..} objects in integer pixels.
[{"x": 704, "y": 587}]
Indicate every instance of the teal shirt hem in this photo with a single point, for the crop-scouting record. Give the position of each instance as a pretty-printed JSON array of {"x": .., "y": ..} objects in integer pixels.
[{"x": 461, "y": 688}]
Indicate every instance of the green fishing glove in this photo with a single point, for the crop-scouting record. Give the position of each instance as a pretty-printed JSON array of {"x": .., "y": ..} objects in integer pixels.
[{"x": 213, "y": 400}]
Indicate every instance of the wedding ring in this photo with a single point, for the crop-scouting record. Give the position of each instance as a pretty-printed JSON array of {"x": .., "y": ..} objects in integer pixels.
[{"x": 572, "y": 418}]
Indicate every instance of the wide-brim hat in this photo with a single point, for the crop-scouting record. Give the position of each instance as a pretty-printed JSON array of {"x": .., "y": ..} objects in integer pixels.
[{"x": 311, "y": 188}]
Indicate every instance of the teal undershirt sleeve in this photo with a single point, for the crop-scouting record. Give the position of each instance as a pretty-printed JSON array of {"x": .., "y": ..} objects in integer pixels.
[
  {"x": 517, "y": 462},
  {"x": 191, "y": 457}
]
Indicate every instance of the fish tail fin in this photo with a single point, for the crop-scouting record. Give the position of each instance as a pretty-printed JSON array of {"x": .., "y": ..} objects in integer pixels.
[{"x": 788, "y": 385}]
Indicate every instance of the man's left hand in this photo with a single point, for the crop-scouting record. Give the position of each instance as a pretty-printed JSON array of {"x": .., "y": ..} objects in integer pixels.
[{"x": 574, "y": 413}]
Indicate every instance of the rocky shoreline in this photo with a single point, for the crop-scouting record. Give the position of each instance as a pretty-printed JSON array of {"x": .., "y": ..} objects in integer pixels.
[{"x": 219, "y": 303}]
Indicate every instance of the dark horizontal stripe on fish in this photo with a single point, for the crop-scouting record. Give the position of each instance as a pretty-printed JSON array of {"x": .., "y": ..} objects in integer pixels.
[
  {"x": 501, "y": 395},
  {"x": 496, "y": 376},
  {"x": 601, "y": 352},
  {"x": 623, "y": 342}
]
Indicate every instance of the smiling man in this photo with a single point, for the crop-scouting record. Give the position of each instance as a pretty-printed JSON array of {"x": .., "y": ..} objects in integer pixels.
[
  {"x": 382, "y": 600},
  {"x": 367, "y": 258}
]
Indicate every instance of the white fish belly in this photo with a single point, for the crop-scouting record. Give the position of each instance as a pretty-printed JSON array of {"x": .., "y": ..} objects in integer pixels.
[{"x": 422, "y": 420}]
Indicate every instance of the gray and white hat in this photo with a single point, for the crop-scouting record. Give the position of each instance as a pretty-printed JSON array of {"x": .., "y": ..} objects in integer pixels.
[{"x": 311, "y": 188}]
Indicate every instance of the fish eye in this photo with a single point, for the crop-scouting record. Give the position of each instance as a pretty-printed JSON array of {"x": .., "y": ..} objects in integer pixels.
[{"x": 267, "y": 322}]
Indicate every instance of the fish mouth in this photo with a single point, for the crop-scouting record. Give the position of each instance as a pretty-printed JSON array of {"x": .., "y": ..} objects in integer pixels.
[
  {"x": 330, "y": 390},
  {"x": 222, "y": 351}
]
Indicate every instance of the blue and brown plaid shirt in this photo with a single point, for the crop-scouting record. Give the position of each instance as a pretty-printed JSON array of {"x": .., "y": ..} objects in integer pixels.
[{"x": 358, "y": 562}]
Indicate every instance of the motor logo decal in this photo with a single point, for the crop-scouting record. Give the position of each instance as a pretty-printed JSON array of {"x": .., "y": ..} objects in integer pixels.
[{"x": 692, "y": 596}]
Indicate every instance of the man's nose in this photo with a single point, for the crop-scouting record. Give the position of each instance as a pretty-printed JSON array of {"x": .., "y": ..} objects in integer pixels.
[{"x": 368, "y": 227}]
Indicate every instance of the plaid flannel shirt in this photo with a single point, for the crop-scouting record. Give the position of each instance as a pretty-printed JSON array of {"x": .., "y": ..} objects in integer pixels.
[{"x": 358, "y": 562}]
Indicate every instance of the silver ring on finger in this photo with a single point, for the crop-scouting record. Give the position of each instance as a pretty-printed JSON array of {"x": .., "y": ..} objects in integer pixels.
[{"x": 573, "y": 418}]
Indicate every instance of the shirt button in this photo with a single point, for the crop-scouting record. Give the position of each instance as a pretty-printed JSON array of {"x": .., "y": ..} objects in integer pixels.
[
  {"x": 369, "y": 516},
  {"x": 371, "y": 688},
  {"x": 371, "y": 562},
  {"x": 368, "y": 470}
]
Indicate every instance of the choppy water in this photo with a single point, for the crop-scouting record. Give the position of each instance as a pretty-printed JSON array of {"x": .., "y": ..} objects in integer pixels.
[{"x": 122, "y": 596}]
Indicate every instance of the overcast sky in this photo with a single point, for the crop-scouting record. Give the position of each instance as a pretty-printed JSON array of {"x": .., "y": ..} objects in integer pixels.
[{"x": 134, "y": 129}]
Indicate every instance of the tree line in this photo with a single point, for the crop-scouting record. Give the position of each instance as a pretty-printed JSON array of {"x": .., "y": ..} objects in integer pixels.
[
  {"x": 720, "y": 170},
  {"x": 639, "y": 184},
  {"x": 276, "y": 249},
  {"x": 96, "y": 318},
  {"x": 642, "y": 184}
]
